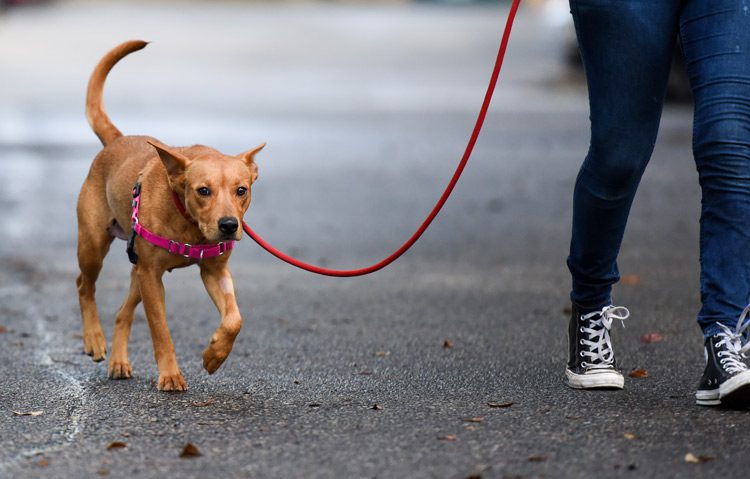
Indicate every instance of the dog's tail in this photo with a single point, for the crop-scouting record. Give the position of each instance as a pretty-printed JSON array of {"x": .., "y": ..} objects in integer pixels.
[{"x": 97, "y": 117}]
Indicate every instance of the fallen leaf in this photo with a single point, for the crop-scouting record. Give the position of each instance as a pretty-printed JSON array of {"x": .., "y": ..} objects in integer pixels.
[
  {"x": 377, "y": 407},
  {"x": 652, "y": 338},
  {"x": 296, "y": 381},
  {"x": 116, "y": 445},
  {"x": 630, "y": 279},
  {"x": 448, "y": 344},
  {"x": 449, "y": 437},
  {"x": 690, "y": 458},
  {"x": 190, "y": 451},
  {"x": 537, "y": 458},
  {"x": 473, "y": 419},
  {"x": 629, "y": 435},
  {"x": 28, "y": 413},
  {"x": 382, "y": 354},
  {"x": 499, "y": 404},
  {"x": 205, "y": 403},
  {"x": 470, "y": 427},
  {"x": 42, "y": 462},
  {"x": 638, "y": 373},
  {"x": 3, "y": 330}
]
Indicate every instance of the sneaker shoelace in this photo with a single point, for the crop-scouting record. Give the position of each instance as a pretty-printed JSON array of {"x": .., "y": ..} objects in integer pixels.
[
  {"x": 735, "y": 345},
  {"x": 598, "y": 343}
]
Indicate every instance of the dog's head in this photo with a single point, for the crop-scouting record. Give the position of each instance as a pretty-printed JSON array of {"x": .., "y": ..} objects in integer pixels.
[{"x": 216, "y": 186}]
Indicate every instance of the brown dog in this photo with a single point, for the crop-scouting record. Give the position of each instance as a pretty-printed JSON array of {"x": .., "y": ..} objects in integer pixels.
[{"x": 215, "y": 191}]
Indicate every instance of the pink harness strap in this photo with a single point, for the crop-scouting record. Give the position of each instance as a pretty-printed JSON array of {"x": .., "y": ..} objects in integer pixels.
[{"x": 194, "y": 251}]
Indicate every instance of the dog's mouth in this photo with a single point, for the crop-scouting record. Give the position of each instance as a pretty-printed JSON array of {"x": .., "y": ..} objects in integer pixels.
[
  {"x": 216, "y": 236},
  {"x": 228, "y": 237}
]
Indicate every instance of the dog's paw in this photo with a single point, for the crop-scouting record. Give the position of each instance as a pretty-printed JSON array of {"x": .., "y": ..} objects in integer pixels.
[
  {"x": 172, "y": 382},
  {"x": 119, "y": 369},
  {"x": 215, "y": 355},
  {"x": 95, "y": 345}
]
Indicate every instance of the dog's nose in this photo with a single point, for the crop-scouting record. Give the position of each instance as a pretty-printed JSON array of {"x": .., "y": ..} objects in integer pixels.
[{"x": 228, "y": 225}]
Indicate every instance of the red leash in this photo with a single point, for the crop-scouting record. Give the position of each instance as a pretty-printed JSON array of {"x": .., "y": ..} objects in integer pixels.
[{"x": 438, "y": 206}]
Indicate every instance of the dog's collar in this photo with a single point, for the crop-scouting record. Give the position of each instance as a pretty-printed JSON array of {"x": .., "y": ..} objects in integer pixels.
[{"x": 195, "y": 251}]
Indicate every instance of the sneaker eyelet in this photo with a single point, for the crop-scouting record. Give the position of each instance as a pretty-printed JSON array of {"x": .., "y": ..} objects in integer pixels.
[
  {"x": 581, "y": 330},
  {"x": 582, "y": 355},
  {"x": 580, "y": 342}
]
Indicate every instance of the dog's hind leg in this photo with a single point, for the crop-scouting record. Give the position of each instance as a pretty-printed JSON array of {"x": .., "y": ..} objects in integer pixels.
[
  {"x": 93, "y": 245},
  {"x": 119, "y": 366},
  {"x": 218, "y": 282}
]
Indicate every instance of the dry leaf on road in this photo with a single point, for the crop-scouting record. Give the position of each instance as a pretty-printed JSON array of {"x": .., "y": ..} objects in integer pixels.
[
  {"x": 190, "y": 451},
  {"x": 653, "y": 337},
  {"x": 630, "y": 279},
  {"x": 28, "y": 413},
  {"x": 448, "y": 344},
  {"x": 449, "y": 437},
  {"x": 691, "y": 458},
  {"x": 473, "y": 419},
  {"x": 116, "y": 445},
  {"x": 499, "y": 404},
  {"x": 638, "y": 373}
]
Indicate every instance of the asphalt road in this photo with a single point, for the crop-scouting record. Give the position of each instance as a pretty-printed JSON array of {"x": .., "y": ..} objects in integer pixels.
[{"x": 366, "y": 110}]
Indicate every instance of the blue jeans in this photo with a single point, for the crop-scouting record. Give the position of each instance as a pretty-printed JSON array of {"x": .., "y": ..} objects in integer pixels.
[{"x": 627, "y": 48}]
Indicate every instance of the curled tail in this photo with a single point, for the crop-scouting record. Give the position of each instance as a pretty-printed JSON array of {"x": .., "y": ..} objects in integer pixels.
[{"x": 97, "y": 117}]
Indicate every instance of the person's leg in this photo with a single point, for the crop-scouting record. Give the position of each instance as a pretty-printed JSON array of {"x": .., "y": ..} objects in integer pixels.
[
  {"x": 715, "y": 37},
  {"x": 627, "y": 48}
]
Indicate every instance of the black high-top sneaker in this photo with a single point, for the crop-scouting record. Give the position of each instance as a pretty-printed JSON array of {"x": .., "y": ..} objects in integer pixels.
[
  {"x": 726, "y": 380},
  {"x": 591, "y": 359}
]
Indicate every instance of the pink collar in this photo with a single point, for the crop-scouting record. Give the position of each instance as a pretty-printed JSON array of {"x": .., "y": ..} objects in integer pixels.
[{"x": 195, "y": 251}]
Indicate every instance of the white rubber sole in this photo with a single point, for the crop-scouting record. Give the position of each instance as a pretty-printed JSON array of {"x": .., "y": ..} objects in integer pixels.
[
  {"x": 708, "y": 398},
  {"x": 595, "y": 379}
]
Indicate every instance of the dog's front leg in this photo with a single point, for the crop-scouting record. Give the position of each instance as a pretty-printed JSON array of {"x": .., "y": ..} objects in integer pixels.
[
  {"x": 218, "y": 282},
  {"x": 152, "y": 293}
]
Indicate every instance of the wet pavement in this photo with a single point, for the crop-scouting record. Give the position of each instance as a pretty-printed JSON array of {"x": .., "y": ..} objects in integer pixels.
[{"x": 366, "y": 110}]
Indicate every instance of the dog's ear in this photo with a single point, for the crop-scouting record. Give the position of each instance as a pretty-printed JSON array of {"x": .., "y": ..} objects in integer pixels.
[
  {"x": 254, "y": 172},
  {"x": 174, "y": 162},
  {"x": 249, "y": 158}
]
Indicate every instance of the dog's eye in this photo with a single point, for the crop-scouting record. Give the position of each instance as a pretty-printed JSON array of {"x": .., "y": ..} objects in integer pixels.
[
  {"x": 241, "y": 191},
  {"x": 203, "y": 191}
]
